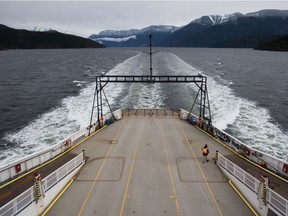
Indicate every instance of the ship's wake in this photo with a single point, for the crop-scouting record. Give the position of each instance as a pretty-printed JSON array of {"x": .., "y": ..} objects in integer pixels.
[{"x": 240, "y": 117}]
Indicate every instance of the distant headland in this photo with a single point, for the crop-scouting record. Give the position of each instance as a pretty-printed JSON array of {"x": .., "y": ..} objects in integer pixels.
[{"x": 23, "y": 39}]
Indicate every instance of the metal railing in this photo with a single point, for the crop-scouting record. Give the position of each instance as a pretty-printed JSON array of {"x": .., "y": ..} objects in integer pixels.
[
  {"x": 8, "y": 171},
  {"x": 19, "y": 203},
  {"x": 161, "y": 112},
  {"x": 276, "y": 202},
  {"x": 272, "y": 163},
  {"x": 139, "y": 78},
  {"x": 31, "y": 161}
]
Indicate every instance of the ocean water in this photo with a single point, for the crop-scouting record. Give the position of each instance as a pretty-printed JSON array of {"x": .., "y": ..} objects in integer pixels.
[{"x": 46, "y": 95}]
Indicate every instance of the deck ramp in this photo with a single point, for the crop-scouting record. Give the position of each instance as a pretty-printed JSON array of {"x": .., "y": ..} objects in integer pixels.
[{"x": 149, "y": 165}]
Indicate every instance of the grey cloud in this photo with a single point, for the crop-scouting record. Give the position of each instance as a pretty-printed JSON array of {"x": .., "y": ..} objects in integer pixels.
[{"x": 85, "y": 18}]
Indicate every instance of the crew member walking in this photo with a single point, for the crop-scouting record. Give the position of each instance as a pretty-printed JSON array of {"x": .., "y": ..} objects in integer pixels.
[{"x": 205, "y": 151}]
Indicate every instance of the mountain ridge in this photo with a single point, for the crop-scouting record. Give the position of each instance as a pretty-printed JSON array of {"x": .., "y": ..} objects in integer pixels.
[
  {"x": 234, "y": 30},
  {"x": 23, "y": 39},
  {"x": 133, "y": 37},
  {"x": 230, "y": 30}
]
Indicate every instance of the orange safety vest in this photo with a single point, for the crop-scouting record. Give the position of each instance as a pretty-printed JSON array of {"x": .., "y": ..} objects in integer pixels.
[{"x": 205, "y": 151}]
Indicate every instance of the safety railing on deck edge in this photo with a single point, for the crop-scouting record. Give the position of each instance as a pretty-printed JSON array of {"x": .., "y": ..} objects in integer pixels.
[
  {"x": 275, "y": 200},
  {"x": 9, "y": 171},
  {"x": 265, "y": 160},
  {"x": 19, "y": 203}
]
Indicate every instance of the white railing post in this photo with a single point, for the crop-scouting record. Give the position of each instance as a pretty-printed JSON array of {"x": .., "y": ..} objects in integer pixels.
[
  {"x": 45, "y": 185},
  {"x": 269, "y": 195},
  {"x": 32, "y": 193},
  {"x": 14, "y": 207},
  {"x": 57, "y": 175},
  {"x": 286, "y": 207},
  {"x": 11, "y": 173},
  {"x": 66, "y": 168},
  {"x": 256, "y": 186},
  {"x": 75, "y": 161}
]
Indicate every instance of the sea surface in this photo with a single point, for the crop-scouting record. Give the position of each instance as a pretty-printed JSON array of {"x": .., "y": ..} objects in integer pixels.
[{"x": 46, "y": 95}]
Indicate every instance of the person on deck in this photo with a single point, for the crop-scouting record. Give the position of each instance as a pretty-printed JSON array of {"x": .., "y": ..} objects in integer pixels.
[{"x": 205, "y": 152}]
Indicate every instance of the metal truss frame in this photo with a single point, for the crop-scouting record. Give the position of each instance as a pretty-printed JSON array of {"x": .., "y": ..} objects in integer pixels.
[{"x": 202, "y": 99}]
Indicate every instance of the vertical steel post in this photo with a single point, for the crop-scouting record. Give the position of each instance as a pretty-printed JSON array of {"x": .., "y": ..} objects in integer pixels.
[
  {"x": 193, "y": 103},
  {"x": 97, "y": 98},
  {"x": 101, "y": 101},
  {"x": 93, "y": 106},
  {"x": 110, "y": 107},
  {"x": 208, "y": 103},
  {"x": 204, "y": 96},
  {"x": 150, "y": 44},
  {"x": 201, "y": 100}
]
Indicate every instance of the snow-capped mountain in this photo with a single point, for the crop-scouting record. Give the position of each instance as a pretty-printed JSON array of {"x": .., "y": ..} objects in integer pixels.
[
  {"x": 159, "y": 28},
  {"x": 130, "y": 32},
  {"x": 230, "y": 30},
  {"x": 117, "y": 33},
  {"x": 131, "y": 36},
  {"x": 39, "y": 29},
  {"x": 217, "y": 19},
  {"x": 269, "y": 13}
]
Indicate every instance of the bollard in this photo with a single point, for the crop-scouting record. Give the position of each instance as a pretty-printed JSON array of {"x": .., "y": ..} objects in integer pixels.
[{"x": 84, "y": 156}]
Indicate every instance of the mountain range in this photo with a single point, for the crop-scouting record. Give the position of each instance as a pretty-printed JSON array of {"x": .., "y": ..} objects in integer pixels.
[
  {"x": 232, "y": 30},
  {"x": 133, "y": 37},
  {"x": 265, "y": 28}
]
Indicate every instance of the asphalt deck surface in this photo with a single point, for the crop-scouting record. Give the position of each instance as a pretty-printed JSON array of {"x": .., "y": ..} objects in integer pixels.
[{"x": 148, "y": 165}]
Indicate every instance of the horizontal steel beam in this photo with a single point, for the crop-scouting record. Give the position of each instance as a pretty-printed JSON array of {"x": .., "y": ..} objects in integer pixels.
[{"x": 152, "y": 79}]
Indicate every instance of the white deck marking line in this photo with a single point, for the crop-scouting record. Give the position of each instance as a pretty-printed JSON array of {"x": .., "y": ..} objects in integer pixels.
[
  {"x": 174, "y": 196},
  {"x": 99, "y": 172},
  {"x": 130, "y": 172},
  {"x": 202, "y": 173}
]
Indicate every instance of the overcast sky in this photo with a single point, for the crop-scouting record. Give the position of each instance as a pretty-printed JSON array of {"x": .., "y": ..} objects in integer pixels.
[{"x": 84, "y": 18}]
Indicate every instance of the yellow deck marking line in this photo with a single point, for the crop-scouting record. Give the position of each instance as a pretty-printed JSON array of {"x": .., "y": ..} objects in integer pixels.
[
  {"x": 57, "y": 198},
  {"x": 251, "y": 162},
  {"x": 50, "y": 161},
  {"x": 99, "y": 172},
  {"x": 174, "y": 196},
  {"x": 202, "y": 173},
  {"x": 130, "y": 172},
  {"x": 243, "y": 198}
]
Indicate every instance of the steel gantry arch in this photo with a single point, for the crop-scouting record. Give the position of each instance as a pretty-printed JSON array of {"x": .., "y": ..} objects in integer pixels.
[{"x": 201, "y": 99}]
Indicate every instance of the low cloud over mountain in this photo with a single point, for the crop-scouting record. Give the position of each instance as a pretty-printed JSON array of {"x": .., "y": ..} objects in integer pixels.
[{"x": 232, "y": 30}]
